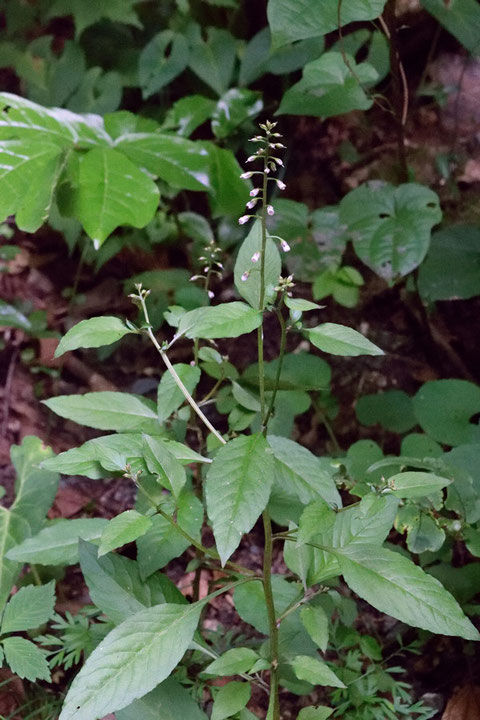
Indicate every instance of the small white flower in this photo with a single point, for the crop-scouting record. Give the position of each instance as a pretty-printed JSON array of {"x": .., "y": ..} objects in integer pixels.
[
  {"x": 285, "y": 246},
  {"x": 245, "y": 276},
  {"x": 246, "y": 175},
  {"x": 281, "y": 185},
  {"x": 251, "y": 158},
  {"x": 255, "y": 257},
  {"x": 211, "y": 294},
  {"x": 270, "y": 210},
  {"x": 195, "y": 277},
  {"x": 267, "y": 170},
  {"x": 251, "y": 203},
  {"x": 254, "y": 192},
  {"x": 244, "y": 219}
]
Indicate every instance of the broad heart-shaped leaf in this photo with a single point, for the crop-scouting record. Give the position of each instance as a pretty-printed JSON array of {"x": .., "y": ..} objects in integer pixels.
[
  {"x": 25, "y": 659},
  {"x": 213, "y": 60},
  {"x": 134, "y": 657},
  {"x": 459, "y": 17},
  {"x": 57, "y": 544},
  {"x": 94, "y": 332},
  {"x": 230, "y": 699},
  {"x": 451, "y": 270},
  {"x": 170, "y": 698},
  {"x": 112, "y": 191},
  {"x": 161, "y": 60},
  {"x": 162, "y": 463},
  {"x": 416, "y": 484},
  {"x": 29, "y": 172},
  {"x": 182, "y": 163},
  {"x": 108, "y": 411},
  {"x": 219, "y": 321},
  {"x": 392, "y": 409},
  {"x": 169, "y": 395},
  {"x": 163, "y": 542},
  {"x": 237, "y": 489},
  {"x": 390, "y": 226},
  {"x": 395, "y": 585},
  {"x": 122, "y": 529},
  {"x": 35, "y": 490},
  {"x": 250, "y": 287},
  {"x": 330, "y": 87},
  {"x": 299, "y": 19},
  {"x": 233, "y": 108},
  {"x": 88, "y": 12},
  {"x": 341, "y": 340},
  {"x": 115, "y": 586},
  {"x": 188, "y": 113},
  {"x": 315, "y": 671},
  {"x": 303, "y": 471},
  {"x": 444, "y": 409},
  {"x": 29, "y": 608}
]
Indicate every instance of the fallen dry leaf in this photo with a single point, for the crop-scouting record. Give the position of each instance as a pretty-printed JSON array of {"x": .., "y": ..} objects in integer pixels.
[{"x": 464, "y": 704}]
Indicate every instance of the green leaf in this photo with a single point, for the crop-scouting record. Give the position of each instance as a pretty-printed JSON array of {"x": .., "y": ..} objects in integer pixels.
[
  {"x": 233, "y": 662},
  {"x": 392, "y": 409},
  {"x": 134, "y": 657},
  {"x": 368, "y": 522},
  {"x": 188, "y": 113},
  {"x": 249, "y": 288},
  {"x": 213, "y": 60},
  {"x": 303, "y": 471},
  {"x": 451, "y": 270},
  {"x": 315, "y": 713},
  {"x": 249, "y": 600},
  {"x": 169, "y": 396},
  {"x": 330, "y": 87},
  {"x": 29, "y": 608},
  {"x": 181, "y": 163},
  {"x": 233, "y": 108},
  {"x": 161, "y": 61},
  {"x": 219, "y": 321},
  {"x": 94, "y": 332},
  {"x": 298, "y": 19},
  {"x": 390, "y": 225},
  {"x": 416, "y": 484},
  {"x": 35, "y": 490},
  {"x": 107, "y": 411},
  {"x": 301, "y": 305},
  {"x": 230, "y": 699},
  {"x": 122, "y": 529},
  {"x": 162, "y": 463},
  {"x": 25, "y": 659},
  {"x": 169, "y": 698},
  {"x": 57, "y": 544},
  {"x": 300, "y": 371},
  {"x": 394, "y": 585},
  {"x": 112, "y": 191},
  {"x": 11, "y": 317},
  {"x": 163, "y": 542},
  {"x": 424, "y": 534},
  {"x": 341, "y": 340},
  {"x": 444, "y": 409},
  {"x": 229, "y": 193},
  {"x": 115, "y": 586},
  {"x": 459, "y": 17},
  {"x": 315, "y": 621},
  {"x": 315, "y": 671},
  {"x": 89, "y": 12},
  {"x": 237, "y": 489},
  {"x": 29, "y": 172}
]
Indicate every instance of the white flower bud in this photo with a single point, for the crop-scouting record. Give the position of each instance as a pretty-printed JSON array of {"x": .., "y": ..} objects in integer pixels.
[
  {"x": 254, "y": 192},
  {"x": 255, "y": 257},
  {"x": 270, "y": 210},
  {"x": 245, "y": 276},
  {"x": 246, "y": 175},
  {"x": 285, "y": 246},
  {"x": 281, "y": 185},
  {"x": 244, "y": 219},
  {"x": 251, "y": 158},
  {"x": 195, "y": 277},
  {"x": 251, "y": 203},
  {"x": 211, "y": 294}
]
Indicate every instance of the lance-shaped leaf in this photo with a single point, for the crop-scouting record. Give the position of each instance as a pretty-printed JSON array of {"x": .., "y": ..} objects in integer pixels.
[
  {"x": 416, "y": 484},
  {"x": 162, "y": 463},
  {"x": 341, "y": 340},
  {"x": 112, "y": 191},
  {"x": 29, "y": 608},
  {"x": 183, "y": 164},
  {"x": 395, "y": 585},
  {"x": 122, "y": 529},
  {"x": 315, "y": 671},
  {"x": 107, "y": 411},
  {"x": 249, "y": 287},
  {"x": 133, "y": 659},
  {"x": 237, "y": 489},
  {"x": 219, "y": 321},
  {"x": 94, "y": 332},
  {"x": 169, "y": 395},
  {"x": 173, "y": 699}
]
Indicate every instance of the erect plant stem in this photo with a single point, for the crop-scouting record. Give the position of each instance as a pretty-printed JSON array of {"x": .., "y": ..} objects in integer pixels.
[
  {"x": 261, "y": 375},
  {"x": 283, "y": 343}
]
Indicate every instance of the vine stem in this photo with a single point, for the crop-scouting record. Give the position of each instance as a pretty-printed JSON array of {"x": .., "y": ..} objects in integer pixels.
[{"x": 174, "y": 374}]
